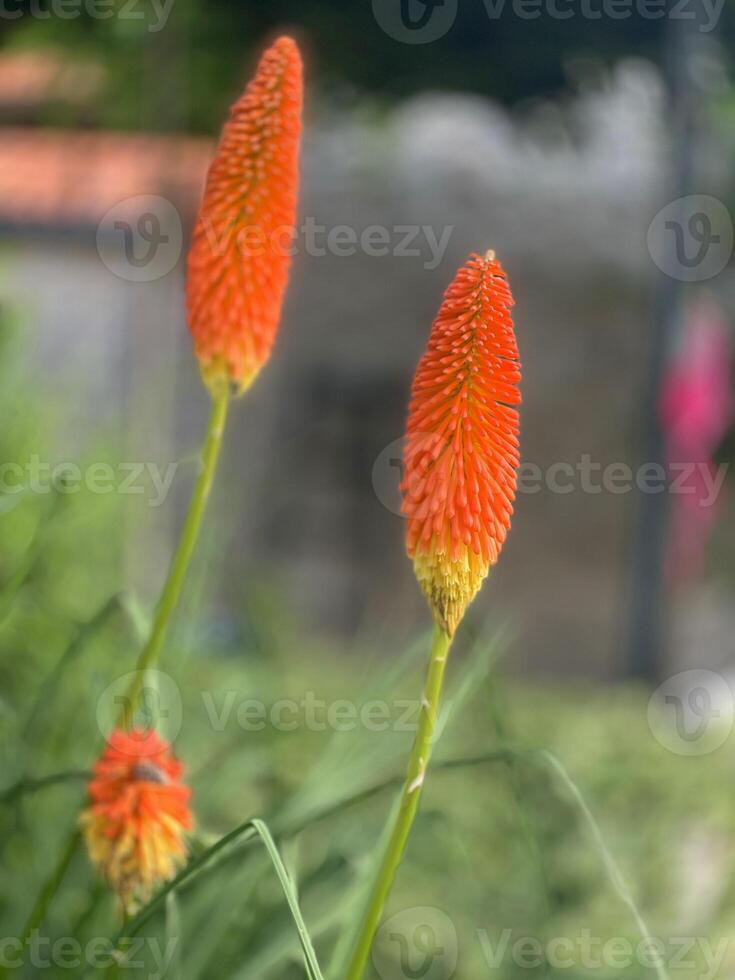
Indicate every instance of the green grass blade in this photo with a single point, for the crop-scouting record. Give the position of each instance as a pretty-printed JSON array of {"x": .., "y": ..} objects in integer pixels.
[
  {"x": 52, "y": 683},
  {"x": 608, "y": 861},
  {"x": 290, "y": 893},
  {"x": 26, "y": 785},
  {"x": 248, "y": 830},
  {"x": 173, "y": 934}
]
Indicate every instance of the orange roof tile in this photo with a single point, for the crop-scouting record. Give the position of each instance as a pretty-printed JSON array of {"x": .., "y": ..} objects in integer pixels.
[
  {"x": 32, "y": 77},
  {"x": 72, "y": 178}
]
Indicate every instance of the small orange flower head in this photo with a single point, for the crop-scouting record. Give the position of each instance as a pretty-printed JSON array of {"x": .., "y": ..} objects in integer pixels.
[
  {"x": 138, "y": 815},
  {"x": 240, "y": 253},
  {"x": 461, "y": 452}
]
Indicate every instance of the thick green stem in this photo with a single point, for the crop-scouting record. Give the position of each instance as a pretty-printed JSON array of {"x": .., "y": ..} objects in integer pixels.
[
  {"x": 417, "y": 766},
  {"x": 179, "y": 566}
]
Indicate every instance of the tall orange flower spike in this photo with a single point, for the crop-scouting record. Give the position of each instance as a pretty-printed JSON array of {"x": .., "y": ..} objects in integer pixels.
[
  {"x": 461, "y": 452},
  {"x": 139, "y": 813},
  {"x": 239, "y": 258}
]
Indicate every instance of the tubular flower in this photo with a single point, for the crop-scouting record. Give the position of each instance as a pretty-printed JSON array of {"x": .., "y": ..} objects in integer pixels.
[
  {"x": 461, "y": 450},
  {"x": 139, "y": 812},
  {"x": 239, "y": 257}
]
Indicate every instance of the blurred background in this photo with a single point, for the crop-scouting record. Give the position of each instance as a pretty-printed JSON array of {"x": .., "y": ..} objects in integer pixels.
[
  {"x": 591, "y": 143},
  {"x": 555, "y": 137}
]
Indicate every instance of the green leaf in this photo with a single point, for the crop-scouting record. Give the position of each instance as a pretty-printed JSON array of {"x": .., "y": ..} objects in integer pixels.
[{"x": 247, "y": 830}]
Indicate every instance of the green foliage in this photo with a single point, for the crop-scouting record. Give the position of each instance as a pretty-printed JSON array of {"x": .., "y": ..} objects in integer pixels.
[{"x": 501, "y": 841}]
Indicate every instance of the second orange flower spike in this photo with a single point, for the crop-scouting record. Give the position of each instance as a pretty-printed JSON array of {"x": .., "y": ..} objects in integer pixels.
[{"x": 462, "y": 443}]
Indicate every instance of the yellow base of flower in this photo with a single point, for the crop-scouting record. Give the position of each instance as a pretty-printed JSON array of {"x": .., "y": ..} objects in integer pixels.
[
  {"x": 450, "y": 585},
  {"x": 136, "y": 862},
  {"x": 218, "y": 377}
]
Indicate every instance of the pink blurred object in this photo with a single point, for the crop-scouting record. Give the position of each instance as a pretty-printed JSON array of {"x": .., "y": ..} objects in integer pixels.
[{"x": 696, "y": 410}]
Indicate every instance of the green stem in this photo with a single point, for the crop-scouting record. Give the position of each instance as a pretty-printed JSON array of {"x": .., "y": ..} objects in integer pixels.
[
  {"x": 166, "y": 607},
  {"x": 179, "y": 566},
  {"x": 409, "y": 803}
]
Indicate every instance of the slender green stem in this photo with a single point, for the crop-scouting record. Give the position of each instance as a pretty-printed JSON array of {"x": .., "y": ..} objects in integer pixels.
[
  {"x": 182, "y": 558},
  {"x": 166, "y": 607},
  {"x": 404, "y": 818}
]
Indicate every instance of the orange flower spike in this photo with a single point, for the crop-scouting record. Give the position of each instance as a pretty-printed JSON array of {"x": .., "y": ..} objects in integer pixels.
[
  {"x": 461, "y": 451},
  {"x": 138, "y": 816},
  {"x": 239, "y": 258}
]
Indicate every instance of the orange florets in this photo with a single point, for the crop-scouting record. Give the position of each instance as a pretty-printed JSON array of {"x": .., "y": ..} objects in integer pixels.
[
  {"x": 240, "y": 253},
  {"x": 461, "y": 453},
  {"x": 135, "y": 825}
]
